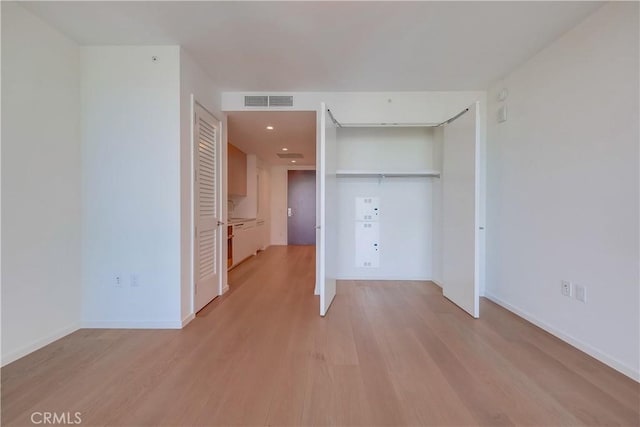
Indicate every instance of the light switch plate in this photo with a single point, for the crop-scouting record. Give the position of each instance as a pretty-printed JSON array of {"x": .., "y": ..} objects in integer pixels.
[{"x": 502, "y": 114}]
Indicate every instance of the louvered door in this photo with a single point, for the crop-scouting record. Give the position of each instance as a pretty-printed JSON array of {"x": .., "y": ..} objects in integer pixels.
[{"x": 206, "y": 198}]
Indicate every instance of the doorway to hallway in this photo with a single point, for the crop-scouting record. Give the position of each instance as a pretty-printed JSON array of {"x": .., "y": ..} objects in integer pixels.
[{"x": 301, "y": 207}]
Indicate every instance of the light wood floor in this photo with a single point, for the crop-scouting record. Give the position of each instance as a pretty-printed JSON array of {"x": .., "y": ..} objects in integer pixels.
[{"x": 388, "y": 353}]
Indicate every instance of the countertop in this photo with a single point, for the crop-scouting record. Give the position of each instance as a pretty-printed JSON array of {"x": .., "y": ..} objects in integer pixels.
[{"x": 233, "y": 221}]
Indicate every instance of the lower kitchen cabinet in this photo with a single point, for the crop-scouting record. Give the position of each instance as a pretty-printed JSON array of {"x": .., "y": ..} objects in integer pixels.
[{"x": 246, "y": 241}]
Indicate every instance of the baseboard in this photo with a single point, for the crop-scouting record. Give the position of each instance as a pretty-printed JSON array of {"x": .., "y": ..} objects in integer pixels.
[
  {"x": 38, "y": 344},
  {"x": 437, "y": 283},
  {"x": 225, "y": 289},
  {"x": 386, "y": 278},
  {"x": 629, "y": 371},
  {"x": 133, "y": 324},
  {"x": 188, "y": 319}
]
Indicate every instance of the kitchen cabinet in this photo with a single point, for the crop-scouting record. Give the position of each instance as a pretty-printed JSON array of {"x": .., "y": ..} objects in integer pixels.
[
  {"x": 237, "y": 171},
  {"x": 261, "y": 235},
  {"x": 245, "y": 241}
]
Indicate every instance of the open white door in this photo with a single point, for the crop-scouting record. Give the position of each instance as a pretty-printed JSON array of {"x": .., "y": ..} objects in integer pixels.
[
  {"x": 326, "y": 238},
  {"x": 460, "y": 211},
  {"x": 206, "y": 272}
]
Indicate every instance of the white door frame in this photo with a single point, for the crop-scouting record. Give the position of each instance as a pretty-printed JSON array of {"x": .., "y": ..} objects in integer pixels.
[{"x": 221, "y": 250}]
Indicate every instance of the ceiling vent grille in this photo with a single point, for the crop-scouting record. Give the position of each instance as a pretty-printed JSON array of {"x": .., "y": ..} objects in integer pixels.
[
  {"x": 256, "y": 101},
  {"x": 268, "y": 101},
  {"x": 290, "y": 155},
  {"x": 280, "y": 101}
]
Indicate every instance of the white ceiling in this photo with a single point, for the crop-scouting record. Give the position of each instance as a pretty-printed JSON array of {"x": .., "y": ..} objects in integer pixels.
[
  {"x": 331, "y": 46},
  {"x": 294, "y": 130}
]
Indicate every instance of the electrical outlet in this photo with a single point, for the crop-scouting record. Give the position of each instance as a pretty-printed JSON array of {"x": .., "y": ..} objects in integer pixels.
[
  {"x": 117, "y": 280},
  {"x": 566, "y": 288},
  {"x": 134, "y": 281},
  {"x": 581, "y": 293}
]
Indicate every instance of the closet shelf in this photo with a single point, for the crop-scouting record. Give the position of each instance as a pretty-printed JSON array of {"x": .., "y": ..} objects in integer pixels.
[{"x": 387, "y": 174}]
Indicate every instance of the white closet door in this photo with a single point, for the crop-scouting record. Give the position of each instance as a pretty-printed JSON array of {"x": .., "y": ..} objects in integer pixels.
[
  {"x": 460, "y": 209},
  {"x": 206, "y": 195},
  {"x": 327, "y": 229}
]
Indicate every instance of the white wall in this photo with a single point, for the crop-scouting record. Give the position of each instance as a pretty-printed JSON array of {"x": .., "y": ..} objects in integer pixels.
[
  {"x": 373, "y": 107},
  {"x": 278, "y": 190},
  {"x": 406, "y": 204},
  {"x": 563, "y": 188},
  {"x": 40, "y": 183},
  {"x": 131, "y": 186},
  {"x": 197, "y": 85}
]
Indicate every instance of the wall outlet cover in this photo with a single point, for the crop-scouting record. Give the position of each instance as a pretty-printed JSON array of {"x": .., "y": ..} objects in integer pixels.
[
  {"x": 565, "y": 288},
  {"x": 581, "y": 293},
  {"x": 134, "y": 281},
  {"x": 118, "y": 280}
]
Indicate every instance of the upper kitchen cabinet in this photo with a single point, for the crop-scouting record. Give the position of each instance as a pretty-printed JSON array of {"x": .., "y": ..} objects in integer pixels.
[{"x": 237, "y": 167}]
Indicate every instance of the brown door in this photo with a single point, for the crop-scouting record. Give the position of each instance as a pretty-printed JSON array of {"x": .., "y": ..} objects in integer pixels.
[{"x": 301, "y": 212}]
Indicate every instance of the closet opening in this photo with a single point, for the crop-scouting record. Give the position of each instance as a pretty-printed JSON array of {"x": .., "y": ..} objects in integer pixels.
[{"x": 406, "y": 200}]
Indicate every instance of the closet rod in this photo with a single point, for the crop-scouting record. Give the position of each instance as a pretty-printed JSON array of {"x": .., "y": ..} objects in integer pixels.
[
  {"x": 337, "y": 123},
  {"x": 446, "y": 122}
]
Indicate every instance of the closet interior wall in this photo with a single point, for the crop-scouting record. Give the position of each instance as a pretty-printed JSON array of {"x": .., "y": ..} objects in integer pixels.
[{"x": 409, "y": 207}]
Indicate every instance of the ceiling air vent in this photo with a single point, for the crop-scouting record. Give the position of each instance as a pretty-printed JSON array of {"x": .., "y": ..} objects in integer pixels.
[
  {"x": 256, "y": 101},
  {"x": 281, "y": 101},
  {"x": 290, "y": 155}
]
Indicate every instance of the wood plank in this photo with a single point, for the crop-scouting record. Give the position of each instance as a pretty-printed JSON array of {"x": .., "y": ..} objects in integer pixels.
[{"x": 388, "y": 353}]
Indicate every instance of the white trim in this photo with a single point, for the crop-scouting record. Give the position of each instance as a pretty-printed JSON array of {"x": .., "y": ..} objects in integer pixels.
[
  {"x": 188, "y": 319},
  {"x": 629, "y": 371},
  {"x": 342, "y": 173},
  {"x": 192, "y": 201},
  {"x": 386, "y": 278},
  {"x": 225, "y": 289},
  {"x": 38, "y": 344},
  {"x": 131, "y": 324},
  {"x": 222, "y": 203},
  {"x": 437, "y": 283}
]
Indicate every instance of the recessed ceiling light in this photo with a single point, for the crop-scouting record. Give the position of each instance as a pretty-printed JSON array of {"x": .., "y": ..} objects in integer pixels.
[
  {"x": 269, "y": 127},
  {"x": 285, "y": 149},
  {"x": 293, "y": 161}
]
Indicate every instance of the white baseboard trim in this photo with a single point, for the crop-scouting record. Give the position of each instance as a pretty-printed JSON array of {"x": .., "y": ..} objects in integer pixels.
[
  {"x": 385, "y": 278},
  {"x": 38, "y": 344},
  {"x": 629, "y": 371},
  {"x": 437, "y": 283},
  {"x": 225, "y": 289},
  {"x": 133, "y": 324},
  {"x": 188, "y": 319}
]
